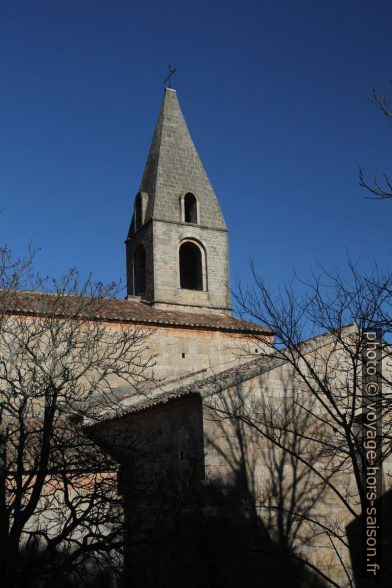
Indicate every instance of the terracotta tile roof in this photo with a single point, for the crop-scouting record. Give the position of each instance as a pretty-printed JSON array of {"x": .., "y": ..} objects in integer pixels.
[
  {"x": 126, "y": 311},
  {"x": 203, "y": 387}
]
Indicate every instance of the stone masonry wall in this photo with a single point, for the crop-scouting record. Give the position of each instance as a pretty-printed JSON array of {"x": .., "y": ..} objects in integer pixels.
[
  {"x": 181, "y": 351},
  {"x": 240, "y": 456},
  {"x": 167, "y": 239},
  {"x": 144, "y": 236}
]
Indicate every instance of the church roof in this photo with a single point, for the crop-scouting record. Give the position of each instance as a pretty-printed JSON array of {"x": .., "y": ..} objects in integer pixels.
[
  {"x": 208, "y": 386},
  {"x": 203, "y": 387},
  {"x": 127, "y": 311},
  {"x": 174, "y": 165}
]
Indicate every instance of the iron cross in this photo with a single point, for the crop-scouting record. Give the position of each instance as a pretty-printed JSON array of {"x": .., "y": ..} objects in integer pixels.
[{"x": 172, "y": 71}]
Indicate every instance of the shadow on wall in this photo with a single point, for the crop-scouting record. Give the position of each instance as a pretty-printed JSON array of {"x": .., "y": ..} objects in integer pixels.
[
  {"x": 39, "y": 571},
  {"x": 188, "y": 533},
  {"x": 210, "y": 542},
  {"x": 270, "y": 509},
  {"x": 355, "y": 532}
]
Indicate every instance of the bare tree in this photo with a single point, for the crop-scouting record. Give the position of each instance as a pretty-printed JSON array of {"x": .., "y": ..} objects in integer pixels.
[
  {"x": 266, "y": 438},
  {"x": 315, "y": 429},
  {"x": 379, "y": 188},
  {"x": 60, "y": 363}
]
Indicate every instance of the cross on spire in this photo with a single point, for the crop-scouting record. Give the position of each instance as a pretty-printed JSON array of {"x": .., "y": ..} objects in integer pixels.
[{"x": 172, "y": 71}]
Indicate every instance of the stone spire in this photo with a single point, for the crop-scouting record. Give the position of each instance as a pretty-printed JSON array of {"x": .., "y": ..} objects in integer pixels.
[
  {"x": 177, "y": 253},
  {"x": 173, "y": 163}
]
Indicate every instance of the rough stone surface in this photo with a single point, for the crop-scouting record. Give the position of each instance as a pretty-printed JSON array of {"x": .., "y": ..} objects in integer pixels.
[
  {"x": 231, "y": 454},
  {"x": 174, "y": 169},
  {"x": 129, "y": 311}
]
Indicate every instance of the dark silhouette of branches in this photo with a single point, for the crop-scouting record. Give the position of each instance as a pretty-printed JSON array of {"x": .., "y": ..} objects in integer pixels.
[
  {"x": 379, "y": 188},
  {"x": 60, "y": 365},
  {"x": 382, "y": 102},
  {"x": 312, "y": 431}
]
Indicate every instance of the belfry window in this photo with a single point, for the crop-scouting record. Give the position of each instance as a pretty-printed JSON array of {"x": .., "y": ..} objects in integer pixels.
[
  {"x": 191, "y": 266},
  {"x": 190, "y": 208},
  {"x": 139, "y": 270},
  {"x": 138, "y": 212}
]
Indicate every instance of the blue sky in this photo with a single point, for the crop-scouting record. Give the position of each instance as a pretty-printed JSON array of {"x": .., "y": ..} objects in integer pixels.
[{"x": 275, "y": 96}]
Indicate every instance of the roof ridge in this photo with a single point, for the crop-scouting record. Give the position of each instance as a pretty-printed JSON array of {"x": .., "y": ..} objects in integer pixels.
[
  {"x": 30, "y": 303},
  {"x": 232, "y": 376}
]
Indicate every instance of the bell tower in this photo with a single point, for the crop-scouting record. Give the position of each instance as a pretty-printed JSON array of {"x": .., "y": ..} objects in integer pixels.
[{"x": 177, "y": 251}]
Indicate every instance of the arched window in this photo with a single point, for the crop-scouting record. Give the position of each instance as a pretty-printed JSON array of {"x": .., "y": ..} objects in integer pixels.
[
  {"x": 190, "y": 208},
  {"x": 191, "y": 268},
  {"x": 139, "y": 270},
  {"x": 138, "y": 212}
]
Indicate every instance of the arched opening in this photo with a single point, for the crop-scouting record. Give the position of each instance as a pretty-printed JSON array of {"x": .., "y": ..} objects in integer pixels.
[
  {"x": 139, "y": 269},
  {"x": 190, "y": 208},
  {"x": 191, "y": 269},
  {"x": 138, "y": 212}
]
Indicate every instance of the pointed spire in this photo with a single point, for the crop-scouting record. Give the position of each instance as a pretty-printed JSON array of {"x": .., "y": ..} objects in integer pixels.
[
  {"x": 177, "y": 250},
  {"x": 174, "y": 168}
]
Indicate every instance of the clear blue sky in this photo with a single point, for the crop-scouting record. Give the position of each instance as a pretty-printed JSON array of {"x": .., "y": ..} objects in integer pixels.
[{"x": 275, "y": 96}]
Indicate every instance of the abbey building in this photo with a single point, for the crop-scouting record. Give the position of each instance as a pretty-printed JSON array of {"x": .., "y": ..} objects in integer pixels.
[
  {"x": 234, "y": 455},
  {"x": 178, "y": 260},
  {"x": 199, "y": 436}
]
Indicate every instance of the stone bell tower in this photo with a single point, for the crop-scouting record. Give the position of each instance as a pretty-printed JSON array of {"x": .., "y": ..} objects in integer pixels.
[{"x": 177, "y": 251}]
